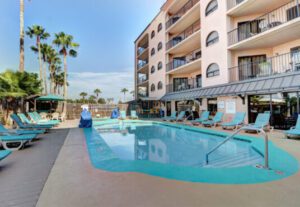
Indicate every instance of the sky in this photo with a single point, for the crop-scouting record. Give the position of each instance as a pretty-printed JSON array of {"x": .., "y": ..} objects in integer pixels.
[{"x": 105, "y": 30}]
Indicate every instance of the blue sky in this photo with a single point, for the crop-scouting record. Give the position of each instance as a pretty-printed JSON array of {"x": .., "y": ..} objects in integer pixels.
[{"x": 105, "y": 30}]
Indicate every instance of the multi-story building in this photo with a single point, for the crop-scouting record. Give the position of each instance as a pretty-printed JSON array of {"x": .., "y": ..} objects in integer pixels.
[{"x": 229, "y": 56}]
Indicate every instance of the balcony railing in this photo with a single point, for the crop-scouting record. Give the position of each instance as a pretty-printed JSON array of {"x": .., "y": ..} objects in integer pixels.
[
  {"x": 140, "y": 50},
  {"x": 184, "y": 35},
  {"x": 142, "y": 79},
  {"x": 173, "y": 19},
  {"x": 233, "y": 3},
  {"x": 142, "y": 64},
  {"x": 176, "y": 63},
  {"x": 266, "y": 22},
  {"x": 289, "y": 62},
  {"x": 186, "y": 85}
]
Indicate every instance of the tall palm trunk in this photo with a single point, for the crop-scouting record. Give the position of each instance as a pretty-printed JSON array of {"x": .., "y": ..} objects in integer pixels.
[
  {"x": 65, "y": 84},
  {"x": 44, "y": 73},
  {"x": 40, "y": 59},
  {"x": 21, "y": 66}
]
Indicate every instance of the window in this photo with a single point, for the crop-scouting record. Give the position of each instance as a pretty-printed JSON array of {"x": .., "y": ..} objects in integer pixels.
[
  {"x": 212, "y": 70},
  {"x": 152, "y": 52},
  {"x": 159, "y": 47},
  {"x": 212, "y": 38},
  {"x": 211, "y": 7},
  {"x": 152, "y": 87},
  {"x": 152, "y": 69},
  {"x": 159, "y": 85},
  {"x": 159, "y": 28},
  {"x": 159, "y": 66},
  {"x": 212, "y": 105},
  {"x": 152, "y": 34},
  {"x": 253, "y": 66}
]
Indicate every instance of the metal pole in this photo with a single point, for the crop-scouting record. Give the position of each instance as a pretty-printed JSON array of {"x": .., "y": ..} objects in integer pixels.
[{"x": 266, "y": 149}]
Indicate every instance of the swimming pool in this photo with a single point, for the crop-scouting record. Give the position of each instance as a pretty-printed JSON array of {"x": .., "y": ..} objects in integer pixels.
[{"x": 178, "y": 152}]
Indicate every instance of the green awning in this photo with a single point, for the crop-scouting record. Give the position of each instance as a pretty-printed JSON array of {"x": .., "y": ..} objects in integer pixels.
[{"x": 50, "y": 97}]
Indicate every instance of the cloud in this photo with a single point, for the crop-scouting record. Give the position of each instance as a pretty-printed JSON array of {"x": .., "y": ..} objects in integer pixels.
[{"x": 110, "y": 83}]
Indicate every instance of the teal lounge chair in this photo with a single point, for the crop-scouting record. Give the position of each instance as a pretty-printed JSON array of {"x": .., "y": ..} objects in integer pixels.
[
  {"x": 238, "y": 120},
  {"x": 20, "y": 140},
  {"x": 123, "y": 115},
  {"x": 36, "y": 120},
  {"x": 172, "y": 117},
  {"x": 21, "y": 125},
  {"x": 204, "y": 117},
  {"x": 133, "y": 115},
  {"x": 181, "y": 116},
  {"x": 262, "y": 121},
  {"x": 25, "y": 120},
  {"x": 20, "y": 132},
  {"x": 4, "y": 154},
  {"x": 216, "y": 120},
  {"x": 294, "y": 131}
]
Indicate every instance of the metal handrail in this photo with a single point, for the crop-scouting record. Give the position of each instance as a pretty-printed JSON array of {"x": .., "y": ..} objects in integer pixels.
[{"x": 266, "y": 166}]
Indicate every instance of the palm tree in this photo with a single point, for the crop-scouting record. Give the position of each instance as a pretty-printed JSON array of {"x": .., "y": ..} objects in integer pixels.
[
  {"x": 45, "y": 51},
  {"x": 97, "y": 91},
  {"x": 66, "y": 48},
  {"x": 54, "y": 62},
  {"x": 92, "y": 99},
  {"x": 83, "y": 95},
  {"x": 38, "y": 32},
  {"x": 58, "y": 81},
  {"x": 124, "y": 91},
  {"x": 21, "y": 66}
]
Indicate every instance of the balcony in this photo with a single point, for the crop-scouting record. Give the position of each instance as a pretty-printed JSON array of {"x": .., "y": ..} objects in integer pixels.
[
  {"x": 186, "y": 64},
  {"x": 188, "y": 84},
  {"x": 183, "y": 14},
  {"x": 142, "y": 80},
  {"x": 189, "y": 33},
  {"x": 286, "y": 63},
  {"x": 143, "y": 66},
  {"x": 267, "y": 30},
  {"x": 239, "y": 8},
  {"x": 143, "y": 53}
]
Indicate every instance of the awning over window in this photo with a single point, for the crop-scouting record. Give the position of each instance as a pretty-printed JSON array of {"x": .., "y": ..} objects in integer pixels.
[{"x": 274, "y": 84}]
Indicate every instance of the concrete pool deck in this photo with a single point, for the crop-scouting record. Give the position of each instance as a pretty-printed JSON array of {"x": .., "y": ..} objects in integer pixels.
[{"x": 74, "y": 182}]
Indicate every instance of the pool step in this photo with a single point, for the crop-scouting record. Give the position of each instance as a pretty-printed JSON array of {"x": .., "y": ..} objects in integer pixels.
[{"x": 238, "y": 160}]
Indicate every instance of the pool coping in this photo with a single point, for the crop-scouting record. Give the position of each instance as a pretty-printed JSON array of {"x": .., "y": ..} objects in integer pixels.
[{"x": 282, "y": 164}]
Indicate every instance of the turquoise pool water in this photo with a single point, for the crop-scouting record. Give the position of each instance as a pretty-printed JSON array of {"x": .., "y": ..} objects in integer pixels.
[{"x": 178, "y": 152}]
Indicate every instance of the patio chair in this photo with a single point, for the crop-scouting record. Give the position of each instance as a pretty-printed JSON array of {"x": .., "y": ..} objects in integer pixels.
[
  {"x": 21, "y": 125},
  {"x": 237, "y": 121},
  {"x": 133, "y": 115},
  {"x": 262, "y": 122},
  {"x": 36, "y": 120},
  {"x": 4, "y": 154},
  {"x": 204, "y": 117},
  {"x": 172, "y": 117},
  {"x": 294, "y": 131},
  {"x": 180, "y": 117},
  {"x": 20, "y": 132},
  {"x": 25, "y": 120},
  {"x": 122, "y": 115},
  {"x": 20, "y": 140},
  {"x": 216, "y": 120}
]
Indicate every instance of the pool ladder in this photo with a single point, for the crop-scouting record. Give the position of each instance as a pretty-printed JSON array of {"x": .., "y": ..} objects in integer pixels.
[{"x": 245, "y": 128}]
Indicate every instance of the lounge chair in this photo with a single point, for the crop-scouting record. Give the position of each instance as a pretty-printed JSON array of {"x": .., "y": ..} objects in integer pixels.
[
  {"x": 25, "y": 120},
  {"x": 35, "y": 119},
  {"x": 216, "y": 120},
  {"x": 204, "y": 117},
  {"x": 172, "y": 117},
  {"x": 4, "y": 154},
  {"x": 294, "y": 131},
  {"x": 21, "y": 125},
  {"x": 133, "y": 115},
  {"x": 21, "y": 140},
  {"x": 122, "y": 115},
  {"x": 237, "y": 121},
  {"x": 262, "y": 122},
  {"x": 20, "y": 132},
  {"x": 181, "y": 116}
]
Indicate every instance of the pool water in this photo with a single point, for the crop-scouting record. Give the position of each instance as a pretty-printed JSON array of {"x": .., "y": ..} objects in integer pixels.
[
  {"x": 178, "y": 152},
  {"x": 175, "y": 146}
]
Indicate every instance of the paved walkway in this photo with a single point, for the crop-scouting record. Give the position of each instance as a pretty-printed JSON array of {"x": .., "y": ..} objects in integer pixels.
[
  {"x": 74, "y": 182},
  {"x": 24, "y": 173}
]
